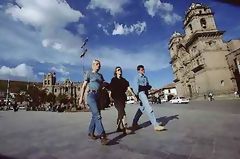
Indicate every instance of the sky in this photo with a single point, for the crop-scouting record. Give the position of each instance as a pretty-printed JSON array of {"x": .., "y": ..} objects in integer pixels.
[{"x": 41, "y": 36}]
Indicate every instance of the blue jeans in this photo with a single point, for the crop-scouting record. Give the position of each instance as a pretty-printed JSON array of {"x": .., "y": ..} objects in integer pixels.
[
  {"x": 145, "y": 107},
  {"x": 96, "y": 121}
]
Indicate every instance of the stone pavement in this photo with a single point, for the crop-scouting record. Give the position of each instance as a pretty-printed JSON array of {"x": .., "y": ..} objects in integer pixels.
[{"x": 199, "y": 130}]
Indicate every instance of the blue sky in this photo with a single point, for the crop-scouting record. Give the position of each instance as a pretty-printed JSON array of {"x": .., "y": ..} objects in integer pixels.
[{"x": 38, "y": 36}]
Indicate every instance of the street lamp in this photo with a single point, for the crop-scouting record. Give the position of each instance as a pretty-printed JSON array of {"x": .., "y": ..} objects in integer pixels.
[{"x": 84, "y": 51}]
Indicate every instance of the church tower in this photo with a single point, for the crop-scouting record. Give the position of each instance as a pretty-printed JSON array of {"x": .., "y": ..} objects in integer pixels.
[
  {"x": 49, "y": 81},
  {"x": 198, "y": 57}
]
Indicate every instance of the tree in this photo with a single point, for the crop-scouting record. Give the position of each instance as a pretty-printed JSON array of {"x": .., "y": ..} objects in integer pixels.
[
  {"x": 51, "y": 98},
  {"x": 20, "y": 97},
  {"x": 62, "y": 98}
]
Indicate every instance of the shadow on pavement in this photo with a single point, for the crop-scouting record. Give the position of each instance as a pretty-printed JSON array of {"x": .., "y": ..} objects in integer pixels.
[
  {"x": 162, "y": 120},
  {"x": 115, "y": 140},
  {"x": 5, "y": 157}
]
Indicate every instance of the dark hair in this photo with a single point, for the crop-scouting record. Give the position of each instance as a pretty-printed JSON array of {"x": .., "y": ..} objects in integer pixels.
[
  {"x": 115, "y": 70},
  {"x": 139, "y": 66}
]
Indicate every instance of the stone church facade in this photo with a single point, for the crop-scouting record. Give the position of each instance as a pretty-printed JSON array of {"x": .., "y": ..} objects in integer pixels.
[
  {"x": 199, "y": 56},
  {"x": 71, "y": 89}
]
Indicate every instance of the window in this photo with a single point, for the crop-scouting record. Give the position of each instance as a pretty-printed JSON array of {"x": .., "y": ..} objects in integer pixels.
[
  {"x": 55, "y": 90},
  {"x": 48, "y": 82},
  {"x": 190, "y": 27},
  {"x": 222, "y": 82},
  {"x": 198, "y": 62},
  {"x": 203, "y": 23}
]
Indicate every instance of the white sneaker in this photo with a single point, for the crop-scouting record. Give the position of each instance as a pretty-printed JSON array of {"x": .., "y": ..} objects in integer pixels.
[{"x": 159, "y": 128}]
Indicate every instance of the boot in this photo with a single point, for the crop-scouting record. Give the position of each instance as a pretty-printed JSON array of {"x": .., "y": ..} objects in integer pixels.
[
  {"x": 92, "y": 136},
  {"x": 104, "y": 140}
]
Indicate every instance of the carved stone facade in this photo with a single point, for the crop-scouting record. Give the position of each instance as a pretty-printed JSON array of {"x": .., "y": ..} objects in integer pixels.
[
  {"x": 198, "y": 57},
  {"x": 233, "y": 59},
  {"x": 71, "y": 89}
]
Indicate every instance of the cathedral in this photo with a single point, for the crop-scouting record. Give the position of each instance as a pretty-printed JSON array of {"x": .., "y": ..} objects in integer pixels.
[
  {"x": 201, "y": 60},
  {"x": 71, "y": 89}
]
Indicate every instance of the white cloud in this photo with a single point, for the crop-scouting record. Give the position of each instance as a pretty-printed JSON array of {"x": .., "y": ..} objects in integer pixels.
[
  {"x": 164, "y": 10},
  {"x": 61, "y": 69},
  {"x": 20, "y": 72},
  {"x": 104, "y": 28},
  {"x": 121, "y": 29},
  {"x": 41, "y": 73},
  {"x": 112, "y": 6},
  {"x": 81, "y": 29},
  {"x": 49, "y": 18},
  {"x": 20, "y": 43},
  {"x": 171, "y": 18}
]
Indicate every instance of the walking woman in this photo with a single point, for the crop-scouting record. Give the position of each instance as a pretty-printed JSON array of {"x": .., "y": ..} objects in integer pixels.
[{"x": 118, "y": 88}]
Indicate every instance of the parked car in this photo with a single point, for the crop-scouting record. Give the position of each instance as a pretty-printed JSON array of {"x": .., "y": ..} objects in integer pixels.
[
  {"x": 21, "y": 107},
  {"x": 179, "y": 100}
]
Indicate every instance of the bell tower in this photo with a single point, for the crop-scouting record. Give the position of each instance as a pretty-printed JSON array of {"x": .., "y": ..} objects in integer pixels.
[{"x": 199, "y": 18}]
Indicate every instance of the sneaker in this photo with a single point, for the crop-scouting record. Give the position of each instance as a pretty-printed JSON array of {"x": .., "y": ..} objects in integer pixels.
[
  {"x": 104, "y": 140},
  {"x": 159, "y": 128},
  {"x": 92, "y": 136}
]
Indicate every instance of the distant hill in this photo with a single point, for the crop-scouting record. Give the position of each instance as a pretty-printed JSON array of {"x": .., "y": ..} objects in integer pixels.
[{"x": 17, "y": 86}]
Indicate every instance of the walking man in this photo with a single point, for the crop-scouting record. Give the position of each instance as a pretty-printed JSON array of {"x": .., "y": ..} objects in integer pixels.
[
  {"x": 143, "y": 87},
  {"x": 94, "y": 81}
]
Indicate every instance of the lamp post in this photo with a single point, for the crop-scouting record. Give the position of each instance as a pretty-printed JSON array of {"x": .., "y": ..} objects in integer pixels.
[
  {"x": 7, "y": 95},
  {"x": 84, "y": 51}
]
